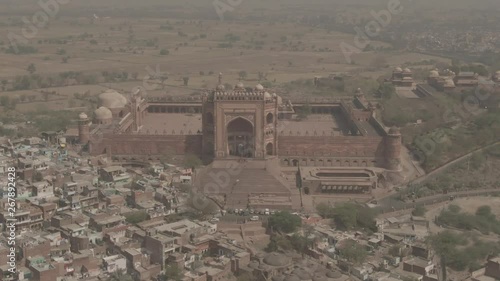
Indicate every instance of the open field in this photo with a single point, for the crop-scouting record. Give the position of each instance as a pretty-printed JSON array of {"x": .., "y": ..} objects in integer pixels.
[{"x": 285, "y": 51}]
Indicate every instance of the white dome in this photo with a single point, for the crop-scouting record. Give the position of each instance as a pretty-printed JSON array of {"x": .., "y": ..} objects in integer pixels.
[
  {"x": 103, "y": 113},
  {"x": 259, "y": 87},
  {"x": 83, "y": 115},
  {"x": 433, "y": 73},
  {"x": 398, "y": 69},
  {"x": 239, "y": 86},
  {"x": 112, "y": 99},
  {"x": 498, "y": 72},
  {"x": 267, "y": 95},
  {"x": 407, "y": 70}
]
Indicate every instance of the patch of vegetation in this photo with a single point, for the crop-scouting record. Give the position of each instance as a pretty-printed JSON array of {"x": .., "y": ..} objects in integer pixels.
[
  {"x": 164, "y": 52},
  {"x": 192, "y": 161},
  {"x": 284, "y": 222},
  {"x": 483, "y": 220},
  {"x": 136, "y": 217},
  {"x": 419, "y": 211},
  {"x": 349, "y": 216},
  {"x": 457, "y": 252},
  {"x": 353, "y": 252},
  {"x": 45, "y": 120},
  {"x": 21, "y": 50}
]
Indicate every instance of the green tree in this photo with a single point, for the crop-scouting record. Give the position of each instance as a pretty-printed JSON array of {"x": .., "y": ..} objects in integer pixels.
[
  {"x": 120, "y": 275},
  {"x": 284, "y": 221},
  {"x": 324, "y": 210},
  {"x": 4, "y": 101},
  {"x": 192, "y": 161},
  {"x": 354, "y": 253},
  {"x": 172, "y": 273},
  {"x": 485, "y": 212},
  {"x": 136, "y": 217},
  {"x": 164, "y": 52},
  {"x": 454, "y": 208},
  {"x": 278, "y": 242},
  {"x": 300, "y": 243},
  {"x": 386, "y": 90},
  {"x": 419, "y": 211},
  {"x": 185, "y": 80},
  {"x": 31, "y": 68},
  {"x": 445, "y": 245},
  {"x": 243, "y": 75},
  {"x": 350, "y": 216}
]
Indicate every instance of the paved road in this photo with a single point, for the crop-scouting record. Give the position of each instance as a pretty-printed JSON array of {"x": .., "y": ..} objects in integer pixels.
[
  {"x": 450, "y": 163},
  {"x": 393, "y": 198}
]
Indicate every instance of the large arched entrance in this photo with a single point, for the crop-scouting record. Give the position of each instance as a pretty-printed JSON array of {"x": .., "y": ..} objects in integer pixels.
[
  {"x": 269, "y": 149},
  {"x": 240, "y": 138}
]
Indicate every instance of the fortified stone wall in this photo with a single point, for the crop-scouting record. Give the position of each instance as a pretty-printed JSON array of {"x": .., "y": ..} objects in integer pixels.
[{"x": 147, "y": 145}]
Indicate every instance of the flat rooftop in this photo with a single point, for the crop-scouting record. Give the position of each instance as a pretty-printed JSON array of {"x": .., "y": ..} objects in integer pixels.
[
  {"x": 170, "y": 122},
  {"x": 178, "y": 227},
  {"x": 321, "y": 123}
]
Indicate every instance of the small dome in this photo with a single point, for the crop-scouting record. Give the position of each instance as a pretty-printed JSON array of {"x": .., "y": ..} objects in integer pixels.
[
  {"x": 103, "y": 113},
  {"x": 407, "y": 70},
  {"x": 398, "y": 69},
  {"x": 83, "y": 116},
  {"x": 434, "y": 73},
  {"x": 239, "y": 86},
  {"x": 220, "y": 88},
  {"x": 333, "y": 274},
  {"x": 259, "y": 87},
  {"x": 497, "y": 72},
  {"x": 275, "y": 259},
  {"x": 267, "y": 95},
  {"x": 112, "y": 99}
]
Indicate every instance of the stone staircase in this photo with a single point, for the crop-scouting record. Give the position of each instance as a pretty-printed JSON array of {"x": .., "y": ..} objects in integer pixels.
[{"x": 250, "y": 178}]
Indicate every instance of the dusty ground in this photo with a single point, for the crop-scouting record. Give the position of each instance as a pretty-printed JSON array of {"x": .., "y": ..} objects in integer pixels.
[
  {"x": 468, "y": 205},
  {"x": 118, "y": 41}
]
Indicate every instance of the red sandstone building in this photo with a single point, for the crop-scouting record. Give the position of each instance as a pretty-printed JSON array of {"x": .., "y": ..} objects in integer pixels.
[{"x": 248, "y": 124}]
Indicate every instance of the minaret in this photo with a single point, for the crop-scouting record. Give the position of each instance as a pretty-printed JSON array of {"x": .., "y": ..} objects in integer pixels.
[
  {"x": 83, "y": 129},
  {"x": 220, "y": 78},
  {"x": 135, "y": 106}
]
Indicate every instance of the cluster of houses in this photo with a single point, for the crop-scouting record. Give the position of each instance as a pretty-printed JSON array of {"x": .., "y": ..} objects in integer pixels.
[{"x": 82, "y": 218}]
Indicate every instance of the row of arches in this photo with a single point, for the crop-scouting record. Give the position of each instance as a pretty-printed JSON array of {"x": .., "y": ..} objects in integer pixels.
[
  {"x": 327, "y": 162},
  {"x": 174, "y": 109}
]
